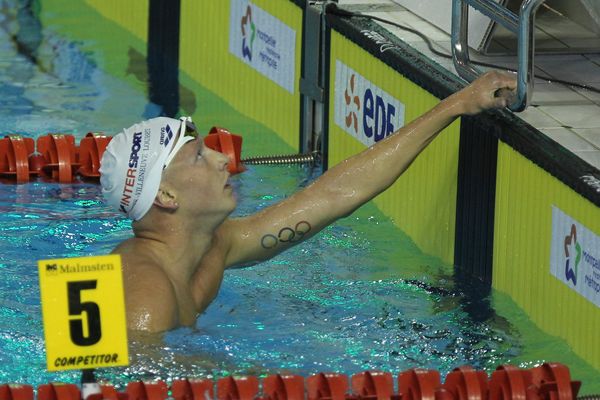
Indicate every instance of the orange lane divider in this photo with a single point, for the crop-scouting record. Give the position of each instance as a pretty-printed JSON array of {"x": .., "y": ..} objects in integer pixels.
[
  {"x": 91, "y": 149},
  {"x": 16, "y": 392},
  {"x": 327, "y": 386},
  {"x": 283, "y": 387},
  {"x": 420, "y": 384},
  {"x": 60, "y": 154},
  {"x": 59, "y": 159},
  {"x": 14, "y": 158},
  {"x": 190, "y": 389},
  {"x": 108, "y": 392},
  {"x": 373, "y": 385},
  {"x": 223, "y": 141},
  {"x": 242, "y": 388},
  {"x": 550, "y": 381},
  {"x": 58, "y": 391},
  {"x": 147, "y": 390}
]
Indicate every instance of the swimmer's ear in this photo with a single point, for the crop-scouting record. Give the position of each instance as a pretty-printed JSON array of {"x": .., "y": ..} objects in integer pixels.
[{"x": 166, "y": 200}]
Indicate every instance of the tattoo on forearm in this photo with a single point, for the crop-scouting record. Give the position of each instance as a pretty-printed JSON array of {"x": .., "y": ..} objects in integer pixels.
[{"x": 286, "y": 235}]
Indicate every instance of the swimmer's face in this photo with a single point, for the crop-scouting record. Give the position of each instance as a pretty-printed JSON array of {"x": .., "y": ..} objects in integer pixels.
[{"x": 200, "y": 179}]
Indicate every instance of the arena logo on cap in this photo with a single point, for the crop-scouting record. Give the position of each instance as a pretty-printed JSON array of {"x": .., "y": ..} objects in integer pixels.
[
  {"x": 263, "y": 42},
  {"x": 575, "y": 255},
  {"x": 166, "y": 135},
  {"x": 362, "y": 109}
]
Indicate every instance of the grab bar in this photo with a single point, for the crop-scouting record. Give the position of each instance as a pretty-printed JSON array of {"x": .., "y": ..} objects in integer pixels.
[{"x": 522, "y": 25}]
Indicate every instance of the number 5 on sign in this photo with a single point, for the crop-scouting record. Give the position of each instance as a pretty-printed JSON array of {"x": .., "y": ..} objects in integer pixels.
[{"x": 84, "y": 312}]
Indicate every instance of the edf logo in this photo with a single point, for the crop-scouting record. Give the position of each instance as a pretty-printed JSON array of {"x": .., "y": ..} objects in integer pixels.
[{"x": 364, "y": 110}]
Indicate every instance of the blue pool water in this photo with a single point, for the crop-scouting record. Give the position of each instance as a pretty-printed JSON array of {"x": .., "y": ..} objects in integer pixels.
[{"x": 358, "y": 296}]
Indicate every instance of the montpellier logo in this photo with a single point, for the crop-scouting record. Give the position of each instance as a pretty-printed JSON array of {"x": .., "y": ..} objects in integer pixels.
[
  {"x": 571, "y": 243},
  {"x": 352, "y": 116},
  {"x": 248, "y": 34}
]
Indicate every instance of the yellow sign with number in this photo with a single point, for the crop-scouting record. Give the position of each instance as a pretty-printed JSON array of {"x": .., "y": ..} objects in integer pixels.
[{"x": 83, "y": 307}]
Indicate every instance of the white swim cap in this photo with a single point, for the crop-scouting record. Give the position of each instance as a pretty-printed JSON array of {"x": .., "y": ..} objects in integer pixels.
[{"x": 131, "y": 167}]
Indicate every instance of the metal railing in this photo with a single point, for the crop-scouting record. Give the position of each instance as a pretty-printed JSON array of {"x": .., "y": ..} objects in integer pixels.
[{"x": 522, "y": 25}]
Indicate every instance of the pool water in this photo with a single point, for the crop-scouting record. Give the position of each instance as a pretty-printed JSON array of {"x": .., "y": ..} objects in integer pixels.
[{"x": 357, "y": 296}]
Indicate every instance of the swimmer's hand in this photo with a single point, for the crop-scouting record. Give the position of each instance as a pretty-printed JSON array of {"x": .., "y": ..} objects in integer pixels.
[{"x": 490, "y": 91}]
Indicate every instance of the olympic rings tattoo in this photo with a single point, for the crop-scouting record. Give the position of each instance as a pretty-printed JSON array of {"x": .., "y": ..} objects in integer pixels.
[{"x": 286, "y": 235}]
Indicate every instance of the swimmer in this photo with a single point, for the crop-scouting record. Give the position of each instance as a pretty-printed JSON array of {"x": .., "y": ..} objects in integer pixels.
[{"x": 176, "y": 191}]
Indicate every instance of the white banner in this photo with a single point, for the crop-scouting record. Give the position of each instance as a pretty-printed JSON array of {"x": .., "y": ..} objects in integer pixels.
[
  {"x": 362, "y": 109},
  {"x": 263, "y": 42},
  {"x": 575, "y": 256}
]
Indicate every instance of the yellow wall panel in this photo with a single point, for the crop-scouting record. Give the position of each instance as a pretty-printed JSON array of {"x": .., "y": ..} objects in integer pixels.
[
  {"x": 205, "y": 57},
  {"x": 131, "y": 14},
  {"x": 423, "y": 201},
  {"x": 522, "y": 239}
]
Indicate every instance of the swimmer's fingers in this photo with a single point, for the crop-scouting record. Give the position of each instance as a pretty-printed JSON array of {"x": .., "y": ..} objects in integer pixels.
[
  {"x": 503, "y": 88},
  {"x": 503, "y": 80},
  {"x": 504, "y": 97},
  {"x": 491, "y": 90}
]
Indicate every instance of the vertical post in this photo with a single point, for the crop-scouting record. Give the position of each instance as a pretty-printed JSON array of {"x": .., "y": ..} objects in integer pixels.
[
  {"x": 163, "y": 55},
  {"x": 312, "y": 81},
  {"x": 476, "y": 198}
]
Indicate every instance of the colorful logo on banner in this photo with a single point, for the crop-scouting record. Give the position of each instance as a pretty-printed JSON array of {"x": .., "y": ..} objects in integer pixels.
[
  {"x": 263, "y": 42},
  {"x": 353, "y": 104},
  {"x": 248, "y": 34},
  {"x": 572, "y": 263},
  {"x": 575, "y": 255},
  {"x": 83, "y": 309},
  {"x": 362, "y": 109}
]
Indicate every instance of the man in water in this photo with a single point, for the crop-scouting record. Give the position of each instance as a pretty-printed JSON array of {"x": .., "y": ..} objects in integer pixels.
[{"x": 176, "y": 192}]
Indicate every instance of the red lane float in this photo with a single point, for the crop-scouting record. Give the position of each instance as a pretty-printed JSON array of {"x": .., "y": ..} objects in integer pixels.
[
  {"x": 283, "y": 387},
  {"x": 193, "y": 389},
  {"x": 327, "y": 386},
  {"x": 225, "y": 142},
  {"x": 58, "y": 391},
  {"x": 549, "y": 381},
  {"x": 147, "y": 390},
  {"x": 56, "y": 158},
  {"x": 240, "y": 388},
  {"x": 108, "y": 392},
  {"x": 373, "y": 385},
  {"x": 59, "y": 159},
  {"x": 60, "y": 154},
  {"x": 91, "y": 149},
  {"x": 466, "y": 383},
  {"x": 553, "y": 381},
  {"x": 14, "y": 158},
  {"x": 509, "y": 382},
  {"x": 419, "y": 384},
  {"x": 16, "y": 392}
]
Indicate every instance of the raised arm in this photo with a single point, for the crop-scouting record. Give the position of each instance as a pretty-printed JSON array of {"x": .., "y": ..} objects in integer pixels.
[{"x": 351, "y": 183}]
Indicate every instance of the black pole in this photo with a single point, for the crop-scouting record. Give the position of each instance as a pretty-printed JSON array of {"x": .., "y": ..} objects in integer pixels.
[{"x": 163, "y": 55}]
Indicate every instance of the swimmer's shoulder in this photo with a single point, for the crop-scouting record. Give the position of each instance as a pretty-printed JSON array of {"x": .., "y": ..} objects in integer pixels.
[{"x": 150, "y": 299}]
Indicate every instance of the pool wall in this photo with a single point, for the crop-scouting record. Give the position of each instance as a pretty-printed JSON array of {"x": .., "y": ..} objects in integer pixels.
[
  {"x": 205, "y": 29},
  {"x": 480, "y": 197},
  {"x": 426, "y": 212}
]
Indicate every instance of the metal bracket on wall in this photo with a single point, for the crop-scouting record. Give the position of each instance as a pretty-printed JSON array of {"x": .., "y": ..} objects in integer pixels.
[{"x": 312, "y": 83}]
